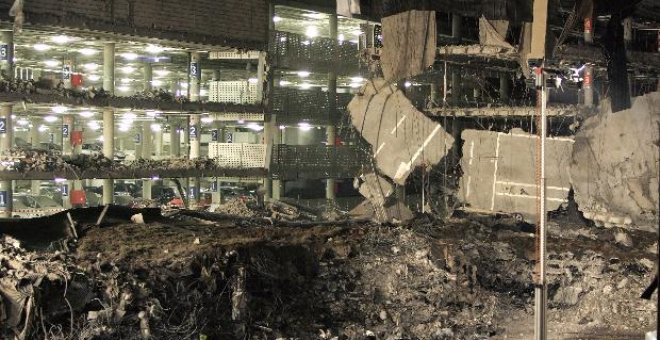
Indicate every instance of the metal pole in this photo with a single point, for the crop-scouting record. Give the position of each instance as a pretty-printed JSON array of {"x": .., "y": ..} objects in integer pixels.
[{"x": 540, "y": 286}]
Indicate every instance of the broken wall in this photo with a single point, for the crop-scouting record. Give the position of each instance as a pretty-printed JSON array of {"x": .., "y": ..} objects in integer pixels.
[
  {"x": 402, "y": 137},
  {"x": 614, "y": 166},
  {"x": 409, "y": 44},
  {"x": 499, "y": 172}
]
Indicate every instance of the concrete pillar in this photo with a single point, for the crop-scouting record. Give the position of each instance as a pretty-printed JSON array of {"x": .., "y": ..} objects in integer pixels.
[
  {"x": 194, "y": 135},
  {"x": 146, "y": 188},
  {"x": 193, "y": 192},
  {"x": 456, "y": 27},
  {"x": 138, "y": 138},
  {"x": 278, "y": 189},
  {"x": 627, "y": 31},
  {"x": 6, "y": 143},
  {"x": 216, "y": 75},
  {"x": 35, "y": 187},
  {"x": 261, "y": 77},
  {"x": 175, "y": 138},
  {"x": 66, "y": 200},
  {"x": 158, "y": 142},
  {"x": 588, "y": 29},
  {"x": 109, "y": 68},
  {"x": 148, "y": 77},
  {"x": 35, "y": 138},
  {"x": 6, "y": 196},
  {"x": 587, "y": 86},
  {"x": 270, "y": 130},
  {"x": 455, "y": 85},
  {"x": 108, "y": 152},
  {"x": 434, "y": 94},
  {"x": 331, "y": 129},
  {"x": 505, "y": 88},
  {"x": 6, "y": 132},
  {"x": 68, "y": 122},
  {"x": 146, "y": 140},
  {"x": 194, "y": 76},
  {"x": 330, "y": 184},
  {"x": 8, "y": 57}
]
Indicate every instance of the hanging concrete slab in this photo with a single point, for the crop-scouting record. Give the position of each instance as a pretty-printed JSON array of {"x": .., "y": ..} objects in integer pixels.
[{"x": 499, "y": 172}]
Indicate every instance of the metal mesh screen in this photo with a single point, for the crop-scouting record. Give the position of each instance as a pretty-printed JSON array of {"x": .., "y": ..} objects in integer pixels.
[
  {"x": 294, "y": 105},
  {"x": 237, "y": 92},
  {"x": 289, "y": 50},
  {"x": 290, "y": 162},
  {"x": 238, "y": 155}
]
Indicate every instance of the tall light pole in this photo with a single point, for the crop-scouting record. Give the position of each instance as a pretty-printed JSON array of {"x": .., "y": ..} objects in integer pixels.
[{"x": 540, "y": 285}]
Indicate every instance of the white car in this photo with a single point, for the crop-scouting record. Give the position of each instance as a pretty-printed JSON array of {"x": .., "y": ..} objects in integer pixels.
[{"x": 30, "y": 206}]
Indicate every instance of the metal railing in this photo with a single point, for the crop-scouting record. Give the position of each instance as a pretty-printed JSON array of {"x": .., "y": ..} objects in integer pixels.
[
  {"x": 290, "y": 162},
  {"x": 290, "y": 50}
]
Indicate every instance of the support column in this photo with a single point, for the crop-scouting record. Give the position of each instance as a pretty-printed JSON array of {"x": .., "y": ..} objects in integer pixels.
[
  {"x": 35, "y": 137},
  {"x": 68, "y": 122},
  {"x": 587, "y": 86},
  {"x": 8, "y": 58},
  {"x": 146, "y": 154},
  {"x": 331, "y": 129},
  {"x": 261, "y": 77},
  {"x": 588, "y": 29},
  {"x": 194, "y": 76},
  {"x": 138, "y": 141},
  {"x": 268, "y": 140},
  {"x": 6, "y": 143},
  {"x": 158, "y": 141},
  {"x": 148, "y": 77},
  {"x": 456, "y": 85},
  {"x": 505, "y": 89},
  {"x": 175, "y": 138},
  {"x": 108, "y": 152},
  {"x": 194, "y": 135},
  {"x": 628, "y": 31},
  {"x": 330, "y": 184},
  {"x": 109, "y": 68},
  {"x": 456, "y": 27}
]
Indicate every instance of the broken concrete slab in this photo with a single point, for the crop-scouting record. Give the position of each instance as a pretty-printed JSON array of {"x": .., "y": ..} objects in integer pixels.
[
  {"x": 492, "y": 33},
  {"x": 499, "y": 172},
  {"x": 614, "y": 167},
  {"x": 409, "y": 44},
  {"x": 402, "y": 137}
]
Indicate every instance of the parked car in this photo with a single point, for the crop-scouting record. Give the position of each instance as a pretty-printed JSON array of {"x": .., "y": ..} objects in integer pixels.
[
  {"x": 29, "y": 206},
  {"x": 97, "y": 149}
]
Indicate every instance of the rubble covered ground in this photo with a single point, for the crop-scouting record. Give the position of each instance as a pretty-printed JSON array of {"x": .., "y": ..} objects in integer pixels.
[{"x": 189, "y": 278}]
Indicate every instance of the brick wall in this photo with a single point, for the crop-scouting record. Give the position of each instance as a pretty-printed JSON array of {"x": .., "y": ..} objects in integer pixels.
[{"x": 236, "y": 23}]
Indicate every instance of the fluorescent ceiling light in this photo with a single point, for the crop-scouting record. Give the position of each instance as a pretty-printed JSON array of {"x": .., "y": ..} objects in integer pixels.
[
  {"x": 93, "y": 77},
  {"x": 304, "y": 126},
  {"x": 91, "y": 66},
  {"x": 130, "y": 115},
  {"x": 277, "y": 19},
  {"x": 303, "y": 74},
  {"x": 86, "y": 114},
  {"x": 153, "y": 49},
  {"x": 407, "y": 84},
  {"x": 156, "y": 127},
  {"x": 50, "y": 119},
  {"x": 162, "y": 73},
  {"x": 61, "y": 39},
  {"x": 312, "y": 31},
  {"x": 157, "y": 82},
  {"x": 60, "y": 109},
  {"x": 42, "y": 128},
  {"x": 41, "y": 47},
  {"x": 305, "y": 86},
  {"x": 124, "y": 88},
  {"x": 51, "y": 63},
  {"x": 357, "y": 79},
  {"x": 314, "y": 15},
  {"x": 128, "y": 69},
  {"x": 87, "y": 51},
  {"x": 255, "y": 127},
  {"x": 253, "y": 80},
  {"x": 94, "y": 125},
  {"x": 129, "y": 56}
]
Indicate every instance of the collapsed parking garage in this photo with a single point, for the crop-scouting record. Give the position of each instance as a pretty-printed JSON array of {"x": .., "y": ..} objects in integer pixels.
[{"x": 329, "y": 169}]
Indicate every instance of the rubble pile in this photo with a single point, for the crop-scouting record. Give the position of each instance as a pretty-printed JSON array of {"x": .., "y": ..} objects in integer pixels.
[
  {"x": 236, "y": 207},
  {"x": 31, "y": 160},
  {"x": 459, "y": 280}
]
